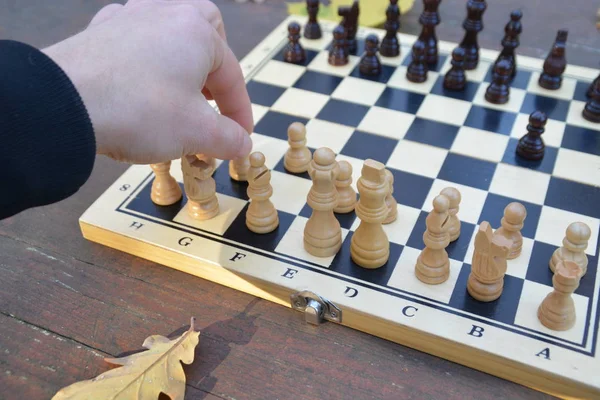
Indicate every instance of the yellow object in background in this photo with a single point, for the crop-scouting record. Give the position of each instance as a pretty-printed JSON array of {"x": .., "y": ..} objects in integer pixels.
[{"x": 372, "y": 12}]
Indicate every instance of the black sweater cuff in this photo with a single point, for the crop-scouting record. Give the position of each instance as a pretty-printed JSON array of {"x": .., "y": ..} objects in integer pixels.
[{"x": 47, "y": 142}]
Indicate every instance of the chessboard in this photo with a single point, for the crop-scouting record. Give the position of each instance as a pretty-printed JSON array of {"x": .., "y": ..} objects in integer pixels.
[{"x": 429, "y": 139}]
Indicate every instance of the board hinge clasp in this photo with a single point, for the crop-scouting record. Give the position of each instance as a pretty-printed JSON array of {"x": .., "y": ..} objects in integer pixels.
[{"x": 316, "y": 309}]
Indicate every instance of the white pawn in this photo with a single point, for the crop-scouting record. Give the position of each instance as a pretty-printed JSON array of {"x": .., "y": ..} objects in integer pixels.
[
  {"x": 512, "y": 223},
  {"x": 390, "y": 201},
  {"x": 347, "y": 194},
  {"x": 454, "y": 197},
  {"x": 165, "y": 189},
  {"x": 573, "y": 248},
  {"x": 298, "y": 157},
  {"x": 262, "y": 216},
  {"x": 433, "y": 265}
]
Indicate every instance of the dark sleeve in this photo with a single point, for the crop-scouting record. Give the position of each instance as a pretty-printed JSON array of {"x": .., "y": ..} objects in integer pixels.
[{"x": 47, "y": 142}]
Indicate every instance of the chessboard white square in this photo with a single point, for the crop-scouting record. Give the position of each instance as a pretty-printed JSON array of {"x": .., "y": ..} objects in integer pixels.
[
  {"x": 398, "y": 80},
  {"x": 300, "y": 102},
  {"x": 317, "y": 44},
  {"x": 471, "y": 203},
  {"x": 532, "y": 295},
  {"x": 279, "y": 73},
  {"x": 516, "y": 267},
  {"x": 258, "y": 112},
  {"x": 398, "y": 231},
  {"x": 565, "y": 92},
  {"x": 520, "y": 183},
  {"x": 229, "y": 209},
  {"x": 515, "y": 100},
  {"x": 554, "y": 222},
  {"x": 577, "y": 166},
  {"x": 394, "y": 61},
  {"x": 404, "y": 277},
  {"x": 417, "y": 158},
  {"x": 552, "y": 136},
  {"x": 327, "y": 134},
  {"x": 289, "y": 192},
  {"x": 273, "y": 149},
  {"x": 575, "y": 117},
  {"x": 360, "y": 91},
  {"x": 444, "y": 109},
  {"x": 321, "y": 64},
  {"x": 480, "y": 144},
  {"x": 385, "y": 122},
  {"x": 292, "y": 243}
]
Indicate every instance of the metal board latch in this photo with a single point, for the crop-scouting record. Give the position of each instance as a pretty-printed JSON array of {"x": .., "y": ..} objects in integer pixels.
[{"x": 316, "y": 308}]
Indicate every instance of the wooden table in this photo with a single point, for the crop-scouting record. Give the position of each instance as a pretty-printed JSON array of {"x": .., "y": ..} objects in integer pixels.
[{"x": 66, "y": 303}]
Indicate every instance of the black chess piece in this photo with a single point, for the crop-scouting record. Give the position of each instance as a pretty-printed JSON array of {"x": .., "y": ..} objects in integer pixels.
[
  {"x": 370, "y": 65},
  {"x": 390, "y": 45},
  {"x": 429, "y": 19},
  {"x": 510, "y": 42},
  {"x": 293, "y": 52},
  {"x": 473, "y": 25},
  {"x": 531, "y": 146},
  {"x": 350, "y": 22},
  {"x": 312, "y": 29},
  {"x": 498, "y": 91},
  {"x": 338, "y": 55},
  {"x": 591, "y": 111},
  {"x": 555, "y": 64},
  {"x": 591, "y": 87},
  {"x": 455, "y": 78},
  {"x": 417, "y": 69}
]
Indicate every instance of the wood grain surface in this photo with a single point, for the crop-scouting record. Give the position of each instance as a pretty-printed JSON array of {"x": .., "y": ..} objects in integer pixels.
[{"x": 66, "y": 303}]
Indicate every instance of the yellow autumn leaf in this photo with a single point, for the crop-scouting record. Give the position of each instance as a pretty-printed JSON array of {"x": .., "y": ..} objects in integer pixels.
[
  {"x": 143, "y": 375},
  {"x": 372, "y": 12}
]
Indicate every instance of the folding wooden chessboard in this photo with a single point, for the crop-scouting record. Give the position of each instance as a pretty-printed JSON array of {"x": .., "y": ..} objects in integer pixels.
[{"x": 429, "y": 139}]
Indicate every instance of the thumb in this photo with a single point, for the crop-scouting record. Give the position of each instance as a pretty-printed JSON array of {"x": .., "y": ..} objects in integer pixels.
[
  {"x": 105, "y": 13},
  {"x": 216, "y": 135}
]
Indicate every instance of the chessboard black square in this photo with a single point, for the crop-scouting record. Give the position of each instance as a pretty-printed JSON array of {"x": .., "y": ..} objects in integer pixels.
[
  {"x": 554, "y": 108},
  {"x": 493, "y": 212},
  {"x": 345, "y": 220},
  {"x": 546, "y": 164},
  {"x": 419, "y": 188},
  {"x": 432, "y": 133},
  {"x": 343, "y": 263},
  {"x": 456, "y": 250},
  {"x": 363, "y": 145},
  {"x": 467, "y": 94},
  {"x": 581, "y": 89},
  {"x": 239, "y": 232},
  {"x": 310, "y": 56},
  {"x": 280, "y": 167},
  {"x": 521, "y": 80},
  {"x": 437, "y": 67},
  {"x": 400, "y": 100},
  {"x": 486, "y": 119},
  {"x": 226, "y": 185},
  {"x": 503, "y": 309},
  {"x": 343, "y": 112},
  {"x": 581, "y": 139},
  {"x": 573, "y": 196},
  {"x": 385, "y": 75},
  {"x": 275, "y": 124},
  {"x": 467, "y": 171},
  {"x": 318, "y": 82},
  {"x": 143, "y": 204},
  {"x": 263, "y": 94}
]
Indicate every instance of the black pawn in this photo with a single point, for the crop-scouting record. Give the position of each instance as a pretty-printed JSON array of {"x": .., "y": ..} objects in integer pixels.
[
  {"x": 417, "y": 70},
  {"x": 455, "y": 78},
  {"x": 294, "y": 53},
  {"x": 531, "y": 146},
  {"x": 312, "y": 30},
  {"x": 555, "y": 64},
  {"x": 498, "y": 91},
  {"x": 390, "y": 45},
  {"x": 338, "y": 55},
  {"x": 591, "y": 111},
  {"x": 370, "y": 64}
]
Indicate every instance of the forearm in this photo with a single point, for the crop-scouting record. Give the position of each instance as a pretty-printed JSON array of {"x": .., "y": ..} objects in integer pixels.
[{"x": 47, "y": 144}]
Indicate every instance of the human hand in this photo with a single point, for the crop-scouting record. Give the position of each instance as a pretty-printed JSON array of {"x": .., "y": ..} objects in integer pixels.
[{"x": 145, "y": 71}]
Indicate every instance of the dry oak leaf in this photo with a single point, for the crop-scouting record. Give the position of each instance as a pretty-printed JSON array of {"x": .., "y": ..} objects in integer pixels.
[{"x": 143, "y": 375}]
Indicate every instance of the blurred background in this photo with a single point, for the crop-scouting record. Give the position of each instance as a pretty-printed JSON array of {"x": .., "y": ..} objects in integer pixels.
[{"x": 42, "y": 22}]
